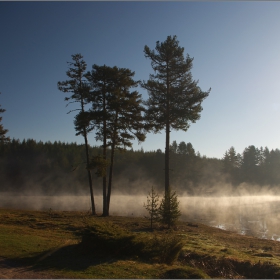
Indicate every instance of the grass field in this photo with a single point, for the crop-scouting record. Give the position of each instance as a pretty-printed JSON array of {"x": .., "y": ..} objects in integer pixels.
[{"x": 77, "y": 245}]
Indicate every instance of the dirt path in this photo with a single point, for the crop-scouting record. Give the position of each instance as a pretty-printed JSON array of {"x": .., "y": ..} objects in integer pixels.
[{"x": 13, "y": 270}]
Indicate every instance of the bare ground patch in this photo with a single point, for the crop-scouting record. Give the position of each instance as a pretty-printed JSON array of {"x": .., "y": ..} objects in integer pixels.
[{"x": 12, "y": 270}]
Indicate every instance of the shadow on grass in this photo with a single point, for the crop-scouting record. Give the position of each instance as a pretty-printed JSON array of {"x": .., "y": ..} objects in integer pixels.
[{"x": 69, "y": 257}]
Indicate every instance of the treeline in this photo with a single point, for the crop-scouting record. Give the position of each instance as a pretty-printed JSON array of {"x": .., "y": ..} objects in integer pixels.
[
  {"x": 255, "y": 166},
  {"x": 57, "y": 168},
  {"x": 30, "y": 166}
]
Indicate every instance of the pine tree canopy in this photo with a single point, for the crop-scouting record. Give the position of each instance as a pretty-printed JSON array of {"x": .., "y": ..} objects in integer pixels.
[
  {"x": 173, "y": 94},
  {"x": 116, "y": 111},
  {"x": 3, "y": 137}
]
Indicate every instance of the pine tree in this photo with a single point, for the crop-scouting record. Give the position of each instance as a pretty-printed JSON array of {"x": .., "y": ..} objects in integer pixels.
[
  {"x": 169, "y": 209},
  {"x": 250, "y": 164},
  {"x": 78, "y": 87},
  {"x": 3, "y": 137},
  {"x": 100, "y": 80},
  {"x": 174, "y": 97},
  {"x": 152, "y": 206},
  {"x": 116, "y": 113}
]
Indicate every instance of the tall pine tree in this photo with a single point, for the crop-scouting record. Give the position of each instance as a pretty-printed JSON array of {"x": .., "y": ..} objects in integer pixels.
[
  {"x": 100, "y": 79},
  {"x": 117, "y": 114},
  {"x": 174, "y": 97},
  {"x": 77, "y": 86}
]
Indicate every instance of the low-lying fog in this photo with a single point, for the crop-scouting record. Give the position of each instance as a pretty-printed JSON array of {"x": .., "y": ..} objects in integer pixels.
[{"x": 250, "y": 215}]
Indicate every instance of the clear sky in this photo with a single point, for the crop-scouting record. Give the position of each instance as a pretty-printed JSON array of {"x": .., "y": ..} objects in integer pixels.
[{"x": 235, "y": 45}]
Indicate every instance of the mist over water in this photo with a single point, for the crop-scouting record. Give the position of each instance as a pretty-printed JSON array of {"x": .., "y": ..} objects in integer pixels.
[
  {"x": 121, "y": 205},
  {"x": 249, "y": 215}
]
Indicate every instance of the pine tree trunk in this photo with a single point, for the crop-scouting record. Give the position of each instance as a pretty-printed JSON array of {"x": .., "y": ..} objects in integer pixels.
[
  {"x": 110, "y": 177},
  {"x": 167, "y": 143},
  {"x": 167, "y": 157},
  {"x": 105, "y": 208},
  {"x": 112, "y": 164},
  {"x": 167, "y": 133},
  {"x": 89, "y": 177},
  {"x": 104, "y": 198}
]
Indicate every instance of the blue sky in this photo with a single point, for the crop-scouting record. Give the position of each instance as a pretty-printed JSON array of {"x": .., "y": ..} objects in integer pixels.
[{"x": 235, "y": 45}]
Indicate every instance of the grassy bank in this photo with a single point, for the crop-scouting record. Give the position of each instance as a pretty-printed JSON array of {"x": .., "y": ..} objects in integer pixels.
[{"x": 76, "y": 245}]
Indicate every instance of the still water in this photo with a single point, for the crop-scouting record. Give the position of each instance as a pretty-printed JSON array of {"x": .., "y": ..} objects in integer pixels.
[{"x": 248, "y": 215}]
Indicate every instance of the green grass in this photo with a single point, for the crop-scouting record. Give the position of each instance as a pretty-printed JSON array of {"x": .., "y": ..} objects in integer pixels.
[{"x": 76, "y": 245}]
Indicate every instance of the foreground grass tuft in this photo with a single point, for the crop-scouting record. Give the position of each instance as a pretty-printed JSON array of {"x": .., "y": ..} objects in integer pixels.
[{"x": 108, "y": 238}]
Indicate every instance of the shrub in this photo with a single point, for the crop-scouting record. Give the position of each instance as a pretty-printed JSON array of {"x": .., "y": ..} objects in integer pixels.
[
  {"x": 169, "y": 209},
  {"x": 152, "y": 207},
  {"x": 164, "y": 248}
]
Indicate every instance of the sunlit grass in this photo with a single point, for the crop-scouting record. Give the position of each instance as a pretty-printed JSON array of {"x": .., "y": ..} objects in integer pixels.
[{"x": 127, "y": 248}]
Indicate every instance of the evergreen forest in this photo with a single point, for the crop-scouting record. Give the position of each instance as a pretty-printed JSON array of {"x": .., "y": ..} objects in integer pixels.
[{"x": 30, "y": 167}]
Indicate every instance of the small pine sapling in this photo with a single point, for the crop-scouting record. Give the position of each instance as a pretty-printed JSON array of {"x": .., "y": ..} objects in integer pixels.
[
  {"x": 169, "y": 209},
  {"x": 152, "y": 207}
]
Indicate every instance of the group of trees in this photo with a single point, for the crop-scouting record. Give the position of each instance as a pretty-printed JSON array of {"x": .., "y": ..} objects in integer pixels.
[
  {"x": 118, "y": 115},
  {"x": 255, "y": 166},
  {"x": 58, "y": 168},
  {"x": 115, "y": 113},
  {"x": 34, "y": 167},
  {"x": 166, "y": 212}
]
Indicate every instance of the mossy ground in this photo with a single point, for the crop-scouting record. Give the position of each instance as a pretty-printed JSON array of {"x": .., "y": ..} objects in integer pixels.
[{"x": 52, "y": 242}]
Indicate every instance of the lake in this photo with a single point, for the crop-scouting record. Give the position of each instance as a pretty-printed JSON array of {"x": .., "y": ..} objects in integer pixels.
[{"x": 248, "y": 215}]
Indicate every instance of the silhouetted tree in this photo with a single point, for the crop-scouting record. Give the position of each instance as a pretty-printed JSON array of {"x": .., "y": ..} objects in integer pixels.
[
  {"x": 78, "y": 87},
  {"x": 3, "y": 132},
  {"x": 250, "y": 164},
  {"x": 231, "y": 164},
  {"x": 186, "y": 149},
  {"x": 128, "y": 120},
  {"x": 174, "y": 97},
  {"x": 182, "y": 148},
  {"x": 174, "y": 147},
  {"x": 117, "y": 114},
  {"x": 101, "y": 79},
  {"x": 270, "y": 166}
]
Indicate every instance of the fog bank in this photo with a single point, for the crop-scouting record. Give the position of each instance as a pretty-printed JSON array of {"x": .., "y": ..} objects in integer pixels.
[{"x": 257, "y": 215}]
